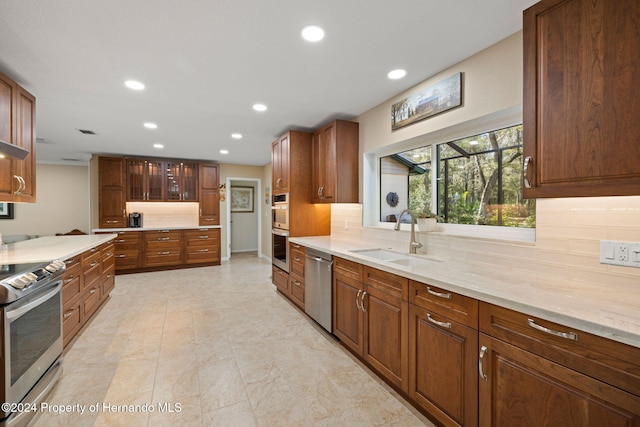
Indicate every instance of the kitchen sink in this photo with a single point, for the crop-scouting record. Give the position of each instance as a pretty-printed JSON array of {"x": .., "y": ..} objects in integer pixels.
[{"x": 393, "y": 257}]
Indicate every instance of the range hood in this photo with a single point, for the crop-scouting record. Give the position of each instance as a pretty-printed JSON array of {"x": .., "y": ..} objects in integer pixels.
[{"x": 12, "y": 151}]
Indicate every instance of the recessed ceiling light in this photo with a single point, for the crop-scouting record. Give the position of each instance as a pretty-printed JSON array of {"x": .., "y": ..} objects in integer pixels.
[
  {"x": 150, "y": 125},
  {"x": 396, "y": 74},
  {"x": 259, "y": 107},
  {"x": 158, "y": 146},
  {"x": 236, "y": 135},
  {"x": 312, "y": 33},
  {"x": 135, "y": 85},
  {"x": 224, "y": 151}
]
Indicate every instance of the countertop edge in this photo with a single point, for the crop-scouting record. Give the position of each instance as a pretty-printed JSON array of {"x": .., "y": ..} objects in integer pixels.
[
  {"x": 48, "y": 248},
  {"x": 116, "y": 230}
]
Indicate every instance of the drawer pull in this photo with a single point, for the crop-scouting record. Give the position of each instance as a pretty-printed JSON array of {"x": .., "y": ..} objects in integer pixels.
[
  {"x": 483, "y": 351},
  {"x": 68, "y": 314},
  {"x": 435, "y": 322},
  {"x": 70, "y": 279},
  {"x": 358, "y": 300},
  {"x": 93, "y": 291},
  {"x": 112, "y": 222},
  {"x": 203, "y": 237},
  {"x": 163, "y": 238},
  {"x": 70, "y": 261},
  {"x": 208, "y": 219},
  {"x": 120, "y": 241},
  {"x": 295, "y": 282},
  {"x": 296, "y": 259},
  {"x": 93, "y": 249},
  {"x": 121, "y": 256},
  {"x": 568, "y": 335},
  {"x": 164, "y": 253},
  {"x": 203, "y": 250},
  {"x": 438, "y": 294},
  {"x": 296, "y": 246},
  {"x": 94, "y": 263}
]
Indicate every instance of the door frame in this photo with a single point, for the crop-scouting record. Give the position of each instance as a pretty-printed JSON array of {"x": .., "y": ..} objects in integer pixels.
[{"x": 257, "y": 204}]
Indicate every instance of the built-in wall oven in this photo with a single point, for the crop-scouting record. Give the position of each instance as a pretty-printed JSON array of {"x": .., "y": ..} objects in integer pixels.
[
  {"x": 280, "y": 231},
  {"x": 31, "y": 324}
]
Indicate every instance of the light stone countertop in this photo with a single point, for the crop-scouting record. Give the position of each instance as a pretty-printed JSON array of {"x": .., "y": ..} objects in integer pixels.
[
  {"x": 115, "y": 230},
  {"x": 600, "y": 310},
  {"x": 48, "y": 248}
]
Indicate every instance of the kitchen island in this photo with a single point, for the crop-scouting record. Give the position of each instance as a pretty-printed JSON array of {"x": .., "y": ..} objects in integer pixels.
[{"x": 48, "y": 248}]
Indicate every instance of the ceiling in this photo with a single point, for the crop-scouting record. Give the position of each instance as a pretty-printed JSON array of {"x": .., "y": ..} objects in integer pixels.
[{"x": 206, "y": 62}]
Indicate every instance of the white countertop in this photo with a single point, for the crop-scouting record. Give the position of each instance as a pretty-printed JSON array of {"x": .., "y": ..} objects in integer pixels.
[
  {"x": 44, "y": 249},
  {"x": 600, "y": 310},
  {"x": 115, "y": 230}
]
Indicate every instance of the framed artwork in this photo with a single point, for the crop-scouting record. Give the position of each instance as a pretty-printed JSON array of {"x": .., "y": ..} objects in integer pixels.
[
  {"x": 6, "y": 210},
  {"x": 241, "y": 199},
  {"x": 435, "y": 99}
]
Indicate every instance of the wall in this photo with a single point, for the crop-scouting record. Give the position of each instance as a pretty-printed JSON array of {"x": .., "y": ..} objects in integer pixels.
[
  {"x": 244, "y": 225},
  {"x": 567, "y": 230},
  {"x": 62, "y": 203},
  {"x": 266, "y": 212}
]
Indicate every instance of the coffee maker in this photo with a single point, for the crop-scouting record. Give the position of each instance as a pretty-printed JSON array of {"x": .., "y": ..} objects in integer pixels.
[{"x": 135, "y": 219}]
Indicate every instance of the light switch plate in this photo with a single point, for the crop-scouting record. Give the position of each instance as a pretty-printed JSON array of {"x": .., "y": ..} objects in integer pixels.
[{"x": 620, "y": 253}]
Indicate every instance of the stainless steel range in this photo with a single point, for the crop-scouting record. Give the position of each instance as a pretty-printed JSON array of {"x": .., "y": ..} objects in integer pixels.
[{"x": 31, "y": 321}]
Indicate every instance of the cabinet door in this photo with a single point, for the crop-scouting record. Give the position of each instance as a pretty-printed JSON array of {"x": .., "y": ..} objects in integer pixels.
[
  {"x": 173, "y": 181},
  {"x": 209, "y": 197},
  {"x": 136, "y": 190},
  {"x": 385, "y": 335},
  {"x": 347, "y": 317},
  {"x": 324, "y": 164},
  {"x": 580, "y": 101},
  {"x": 25, "y": 138},
  {"x": 154, "y": 180},
  {"x": 524, "y": 389},
  {"x": 111, "y": 192},
  {"x": 189, "y": 182},
  {"x": 443, "y": 367},
  {"x": 7, "y": 134},
  {"x": 280, "y": 158}
]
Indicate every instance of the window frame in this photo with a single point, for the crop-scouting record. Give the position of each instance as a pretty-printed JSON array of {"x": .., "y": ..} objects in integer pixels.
[{"x": 371, "y": 198}]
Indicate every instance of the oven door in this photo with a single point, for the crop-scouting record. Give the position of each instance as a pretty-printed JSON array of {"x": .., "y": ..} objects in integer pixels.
[
  {"x": 280, "y": 249},
  {"x": 32, "y": 329}
]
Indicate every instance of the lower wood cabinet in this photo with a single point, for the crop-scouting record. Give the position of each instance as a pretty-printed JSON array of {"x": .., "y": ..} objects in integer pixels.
[
  {"x": 86, "y": 283},
  {"x": 162, "y": 248},
  {"x": 296, "y": 274},
  {"x": 348, "y": 321},
  {"x": 128, "y": 250},
  {"x": 280, "y": 278},
  {"x": 202, "y": 245}
]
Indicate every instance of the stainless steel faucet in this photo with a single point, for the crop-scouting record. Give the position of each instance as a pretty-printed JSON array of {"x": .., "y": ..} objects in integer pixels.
[{"x": 414, "y": 244}]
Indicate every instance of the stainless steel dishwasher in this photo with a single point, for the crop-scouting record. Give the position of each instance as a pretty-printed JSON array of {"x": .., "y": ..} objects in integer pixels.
[{"x": 317, "y": 287}]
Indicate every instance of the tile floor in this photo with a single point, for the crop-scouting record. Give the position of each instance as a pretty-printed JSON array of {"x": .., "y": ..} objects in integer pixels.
[{"x": 224, "y": 346}]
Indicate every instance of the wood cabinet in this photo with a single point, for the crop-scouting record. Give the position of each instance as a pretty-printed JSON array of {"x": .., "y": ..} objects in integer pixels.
[
  {"x": 145, "y": 180},
  {"x": 202, "y": 245},
  {"x": 370, "y": 318},
  {"x": 112, "y": 192},
  {"x": 162, "y": 248},
  {"x": 536, "y": 372},
  {"x": 17, "y": 127},
  {"x": 297, "y": 254},
  {"x": 181, "y": 181},
  {"x": 443, "y": 359},
  {"x": 280, "y": 164},
  {"x": 580, "y": 101},
  {"x": 280, "y": 278},
  {"x": 86, "y": 284},
  {"x": 209, "y": 196},
  {"x": 127, "y": 250},
  {"x": 335, "y": 163}
]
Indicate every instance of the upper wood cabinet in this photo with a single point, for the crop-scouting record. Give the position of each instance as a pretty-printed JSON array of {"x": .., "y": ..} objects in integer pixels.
[
  {"x": 209, "y": 194},
  {"x": 280, "y": 164},
  {"x": 145, "y": 180},
  {"x": 581, "y": 91},
  {"x": 181, "y": 181},
  {"x": 335, "y": 163},
  {"x": 17, "y": 127},
  {"x": 112, "y": 184}
]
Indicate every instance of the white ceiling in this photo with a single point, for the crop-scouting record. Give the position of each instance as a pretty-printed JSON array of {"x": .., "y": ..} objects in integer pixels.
[{"x": 206, "y": 62}]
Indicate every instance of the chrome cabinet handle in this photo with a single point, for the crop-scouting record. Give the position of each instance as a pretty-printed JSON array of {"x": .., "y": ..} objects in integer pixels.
[
  {"x": 435, "y": 322},
  {"x": 364, "y": 309},
  {"x": 278, "y": 181},
  {"x": 93, "y": 291},
  {"x": 525, "y": 174},
  {"x": 120, "y": 241},
  {"x": 94, "y": 263},
  {"x": 568, "y": 335},
  {"x": 70, "y": 279},
  {"x": 68, "y": 314},
  {"x": 18, "y": 192},
  {"x": 124, "y": 212},
  {"x": 24, "y": 185},
  {"x": 164, "y": 253},
  {"x": 203, "y": 250},
  {"x": 70, "y": 261},
  {"x": 358, "y": 300},
  {"x": 438, "y": 294},
  {"x": 163, "y": 238},
  {"x": 295, "y": 282},
  {"x": 483, "y": 351},
  {"x": 296, "y": 259},
  {"x": 121, "y": 256},
  {"x": 112, "y": 222},
  {"x": 203, "y": 237}
]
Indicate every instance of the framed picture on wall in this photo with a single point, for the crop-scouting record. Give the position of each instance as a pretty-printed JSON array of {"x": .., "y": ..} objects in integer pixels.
[
  {"x": 6, "y": 210},
  {"x": 241, "y": 199}
]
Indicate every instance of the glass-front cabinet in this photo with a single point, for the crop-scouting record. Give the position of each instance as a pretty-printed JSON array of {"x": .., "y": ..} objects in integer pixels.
[
  {"x": 145, "y": 180},
  {"x": 181, "y": 181}
]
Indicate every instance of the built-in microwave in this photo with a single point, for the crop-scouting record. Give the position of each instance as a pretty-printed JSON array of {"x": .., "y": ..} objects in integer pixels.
[{"x": 280, "y": 211}]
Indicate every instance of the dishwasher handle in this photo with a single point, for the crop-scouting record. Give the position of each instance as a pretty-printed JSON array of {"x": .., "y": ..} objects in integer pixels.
[{"x": 319, "y": 259}]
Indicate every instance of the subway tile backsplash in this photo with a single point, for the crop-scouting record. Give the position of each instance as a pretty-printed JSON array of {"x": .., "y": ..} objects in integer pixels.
[
  {"x": 568, "y": 232},
  {"x": 166, "y": 214}
]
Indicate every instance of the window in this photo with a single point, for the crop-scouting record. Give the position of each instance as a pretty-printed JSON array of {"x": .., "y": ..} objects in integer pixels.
[{"x": 474, "y": 180}]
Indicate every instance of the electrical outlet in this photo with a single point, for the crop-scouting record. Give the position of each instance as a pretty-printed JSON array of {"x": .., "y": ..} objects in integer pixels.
[{"x": 620, "y": 253}]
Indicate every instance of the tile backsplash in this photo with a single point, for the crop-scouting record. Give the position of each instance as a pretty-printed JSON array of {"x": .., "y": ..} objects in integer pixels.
[
  {"x": 166, "y": 214},
  {"x": 568, "y": 232}
]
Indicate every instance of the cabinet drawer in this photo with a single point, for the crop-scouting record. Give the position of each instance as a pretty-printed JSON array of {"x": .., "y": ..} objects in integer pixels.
[
  {"x": 71, "y": 262},
  {"x": 169, "y": 256},
  {"x": 297, "y": 255},
  {"x": 445, "y": 303},
  {"x": 128, "y": 237},
  {"x": 610, "y": 361},
  {"x": 296, "y": 289},
  {"x": 203, "y": 236},
  {"x": 108, "y": 281},
  {"x": 127, "y": 259},
  {"x": 197, "y": 255},
  {"x": 151, "y": 236},
  {"x": 386, "y": 282},
  {"x": 348, "y": 269},
  {"x": 127, "y": 246},
  {"x": 71, "y": 287},
  {"x": 91, "y": 299},
  {"x": 71, "y": 319},
  {"x": 106, "y": 252},
  {"x": 280, "y": 279},
  {"x": 89, "y": 256},
  {"x": 91, "y": 271}
]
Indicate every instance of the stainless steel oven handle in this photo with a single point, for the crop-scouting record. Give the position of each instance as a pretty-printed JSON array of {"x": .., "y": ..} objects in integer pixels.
[{"x": 13, "y": 314}]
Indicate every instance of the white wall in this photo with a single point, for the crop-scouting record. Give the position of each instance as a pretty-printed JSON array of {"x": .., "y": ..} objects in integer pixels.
[
  {"x": 62, "y": 203},
  {"x": 244, "y": 225}
]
